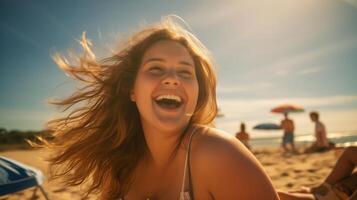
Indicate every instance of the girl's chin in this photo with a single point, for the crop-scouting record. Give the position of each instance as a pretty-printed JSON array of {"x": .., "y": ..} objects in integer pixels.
[{"x": 172, "y": 125}]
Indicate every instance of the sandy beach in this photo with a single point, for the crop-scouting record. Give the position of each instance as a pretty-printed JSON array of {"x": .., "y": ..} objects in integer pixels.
[{"x": 287, "y": 173}]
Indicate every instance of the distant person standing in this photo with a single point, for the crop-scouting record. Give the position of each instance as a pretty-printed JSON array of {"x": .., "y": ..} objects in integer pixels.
[
  {"x": 243, "y": 136},
  {"x": 288, "y": 138},
  {"x": 321, "y": 143}
]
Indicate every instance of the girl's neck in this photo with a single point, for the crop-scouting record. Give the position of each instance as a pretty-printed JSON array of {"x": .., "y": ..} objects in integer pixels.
[{"x": 161, "y": 146}]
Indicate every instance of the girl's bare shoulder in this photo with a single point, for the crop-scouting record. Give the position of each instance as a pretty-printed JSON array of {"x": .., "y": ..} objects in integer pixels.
[
  {"x": 221, "y": 164},
  {"x": 214, "y": 141},
  {"x": 218, "y": 151}
]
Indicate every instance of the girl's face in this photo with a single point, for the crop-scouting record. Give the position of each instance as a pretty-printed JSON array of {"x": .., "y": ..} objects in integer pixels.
[{"x": 166, "y": 87}]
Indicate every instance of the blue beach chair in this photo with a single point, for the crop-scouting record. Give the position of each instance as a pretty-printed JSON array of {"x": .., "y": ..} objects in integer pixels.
[{"x": 16, "y": 176}]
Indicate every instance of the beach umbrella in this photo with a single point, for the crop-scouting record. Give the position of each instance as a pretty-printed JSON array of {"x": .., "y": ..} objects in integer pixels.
[
  {"x": 287, "y": 108},
  {"x": 267, "y": 126},
  {"x": 16, "y": 176}
]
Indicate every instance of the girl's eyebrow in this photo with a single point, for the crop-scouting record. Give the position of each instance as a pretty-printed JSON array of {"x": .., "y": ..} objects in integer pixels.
[
  {"x": 153, "y": 59},
  {"x": 162, "y": 60}
]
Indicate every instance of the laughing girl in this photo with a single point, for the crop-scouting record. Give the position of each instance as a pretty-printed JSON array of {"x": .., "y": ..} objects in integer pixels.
[{"x": 141, "y": 125}]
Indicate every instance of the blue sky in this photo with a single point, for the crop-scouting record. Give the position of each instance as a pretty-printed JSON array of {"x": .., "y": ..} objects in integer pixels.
[{"x": 268, "y": 52}]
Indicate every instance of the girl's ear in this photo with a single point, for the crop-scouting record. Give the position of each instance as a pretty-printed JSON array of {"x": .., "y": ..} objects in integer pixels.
[{"x": 132, "y": 96}]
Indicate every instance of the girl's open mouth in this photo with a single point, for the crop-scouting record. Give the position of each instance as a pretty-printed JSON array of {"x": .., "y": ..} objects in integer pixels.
[{"x": 169, "y": 101}]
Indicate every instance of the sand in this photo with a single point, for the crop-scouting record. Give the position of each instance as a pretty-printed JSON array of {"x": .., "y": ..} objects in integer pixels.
[
  {"x": 287, "y": 172},
  {"x": 291, "y": 172}
]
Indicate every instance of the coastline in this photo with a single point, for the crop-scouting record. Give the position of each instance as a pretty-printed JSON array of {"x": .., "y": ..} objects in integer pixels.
[{"x": 303, "y": 140}]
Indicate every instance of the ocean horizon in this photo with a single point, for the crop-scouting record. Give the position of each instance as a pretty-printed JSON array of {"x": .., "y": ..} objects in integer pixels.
[{"x": 343, "y": 138}]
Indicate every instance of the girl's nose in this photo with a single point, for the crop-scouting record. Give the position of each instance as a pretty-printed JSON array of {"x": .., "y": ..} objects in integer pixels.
[{"x": 171, "y": 79}]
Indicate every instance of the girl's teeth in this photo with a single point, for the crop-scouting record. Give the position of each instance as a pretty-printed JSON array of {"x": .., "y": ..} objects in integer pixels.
[{"x": 173, "y": 97}]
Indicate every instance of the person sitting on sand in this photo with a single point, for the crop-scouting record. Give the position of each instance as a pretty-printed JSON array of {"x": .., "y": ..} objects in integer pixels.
[
  {"x": 141, "y": 126},
  {"x": 288, "y": 137},
  {"x": 340, "y": 184},
  {"x": 243, "y": 136},
  {"x": 321, "y": 142}
]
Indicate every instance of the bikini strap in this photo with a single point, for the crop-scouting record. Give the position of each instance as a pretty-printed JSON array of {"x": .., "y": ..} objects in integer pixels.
[
  {"x": 187, "y": 168},
  {"x": 189, "y": 172}
]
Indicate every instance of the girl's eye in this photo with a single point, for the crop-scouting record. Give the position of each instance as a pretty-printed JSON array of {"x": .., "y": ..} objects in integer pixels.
[
  {"x": 185, "y": 74},
  {"x": 156, "y": 71}
]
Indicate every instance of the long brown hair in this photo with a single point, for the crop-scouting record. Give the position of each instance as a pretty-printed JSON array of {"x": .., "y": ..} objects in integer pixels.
[{"x": 100, "y": 141}]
